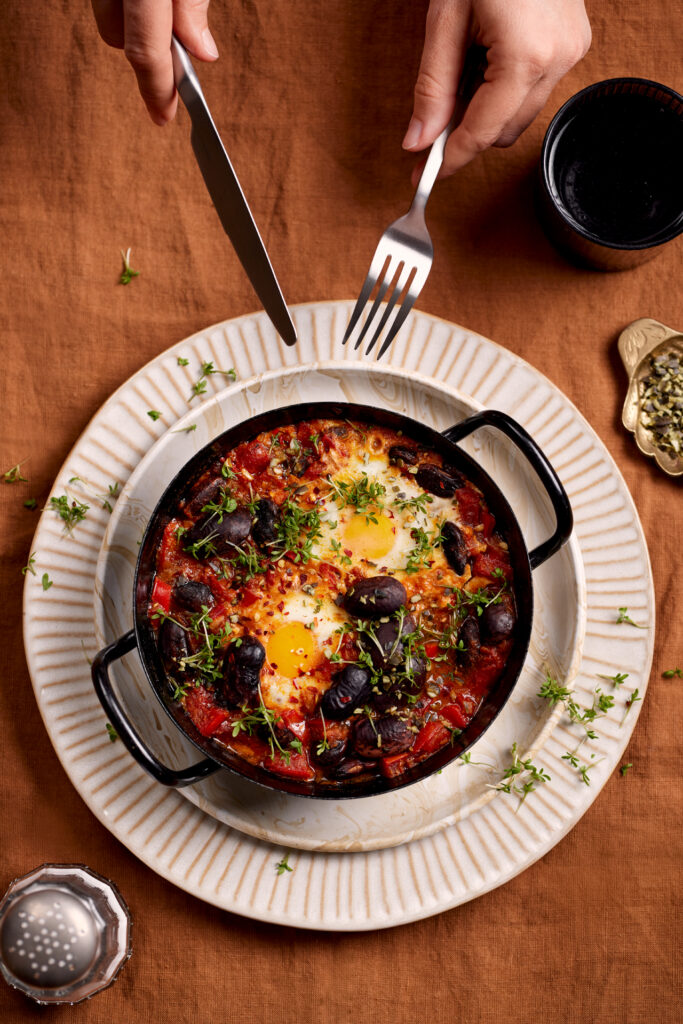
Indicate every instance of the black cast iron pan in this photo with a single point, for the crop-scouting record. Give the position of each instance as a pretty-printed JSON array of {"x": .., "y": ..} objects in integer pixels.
[{"x": 143, "y": 635}]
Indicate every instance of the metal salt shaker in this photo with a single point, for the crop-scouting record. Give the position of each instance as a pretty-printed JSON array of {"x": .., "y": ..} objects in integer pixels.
[{"x": 64, "y": 933}]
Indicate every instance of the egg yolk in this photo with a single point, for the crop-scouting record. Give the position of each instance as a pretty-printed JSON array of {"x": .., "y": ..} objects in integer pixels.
[
  {"x": 290, "y": 649},
  {"x": 368, "y": 539}
]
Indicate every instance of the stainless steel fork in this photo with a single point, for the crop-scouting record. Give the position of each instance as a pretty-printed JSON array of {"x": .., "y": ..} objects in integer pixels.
[{"x": 403, "y": 258}]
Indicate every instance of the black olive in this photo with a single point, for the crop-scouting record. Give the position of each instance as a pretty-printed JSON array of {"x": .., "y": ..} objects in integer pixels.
[
  {"x": 469, "y": 635},
  {"x": 220, "y": 535},
  {"x": 193, "y": 596},
  {"x": 173, "y": 644},
  {"x": 454, "y": 547},
  {"x": 266, "y": 516},
  {"x": 374, "y": 597},
  {"x": 247, "y": 653},
  {"x": 350, "y": 688},
  {"x": 331, "y": 755},
  {"x": 382, "y": 737},
  {"x": 385, "y": 647},
  {"x": 339, "y": 431},
  {"x": 402, "y": 455},
  {"x": 351, "y": 767},
  {"x": 241, "y": 670},
  {"x": 441, "y": 482},
  {"x": 208, "y": 493},
  {"x": 497, "y": 623}
]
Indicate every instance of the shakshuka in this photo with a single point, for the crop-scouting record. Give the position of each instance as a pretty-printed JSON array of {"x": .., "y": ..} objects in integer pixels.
[{"x": 332, "y": 601}]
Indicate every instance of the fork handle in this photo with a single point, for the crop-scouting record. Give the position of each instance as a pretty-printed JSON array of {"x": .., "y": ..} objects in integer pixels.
[{"x": 472, "y": 78}]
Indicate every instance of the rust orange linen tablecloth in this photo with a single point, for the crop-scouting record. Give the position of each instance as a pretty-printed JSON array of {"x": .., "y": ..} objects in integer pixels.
[{"x": 312, "y": 100}]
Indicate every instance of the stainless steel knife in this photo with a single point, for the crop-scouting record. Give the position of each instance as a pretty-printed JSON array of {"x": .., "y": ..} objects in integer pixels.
[{"x": 227, "y": 195}]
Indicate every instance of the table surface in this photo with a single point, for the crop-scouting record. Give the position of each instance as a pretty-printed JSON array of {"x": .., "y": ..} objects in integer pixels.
[{"x": 312, "y": 105}]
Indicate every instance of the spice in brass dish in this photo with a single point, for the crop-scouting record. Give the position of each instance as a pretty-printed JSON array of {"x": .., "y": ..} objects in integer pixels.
[{"x": 652, "y": 354}]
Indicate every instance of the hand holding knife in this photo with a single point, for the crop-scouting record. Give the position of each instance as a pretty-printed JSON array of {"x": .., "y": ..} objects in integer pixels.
[{"x": 228, "y": 198}]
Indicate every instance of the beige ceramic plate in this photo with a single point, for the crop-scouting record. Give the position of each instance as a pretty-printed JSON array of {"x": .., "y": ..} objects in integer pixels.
[{"x": 494, "y": 839}]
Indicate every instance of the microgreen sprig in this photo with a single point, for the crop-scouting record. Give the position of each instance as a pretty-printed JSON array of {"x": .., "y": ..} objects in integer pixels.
[
  {"x": 13, "y": 475},
  {"x": 623, "y": 616},
  {"x": 283, "y": 865},
  {"x": 30, "y": 565},
  {"x": 616, "y": 679},
  {"x": 70, "y": 513},
  {"x": 128, "y": 273}
]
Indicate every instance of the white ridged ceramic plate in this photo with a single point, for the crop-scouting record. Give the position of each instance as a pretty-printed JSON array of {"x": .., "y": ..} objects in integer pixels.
[
  {"x": 381, "y": 821},
  {"x": 492, "y": 838}
]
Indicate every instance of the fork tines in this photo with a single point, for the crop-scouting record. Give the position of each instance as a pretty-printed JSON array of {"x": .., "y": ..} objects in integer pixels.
[{"x": 391, "y": 273}]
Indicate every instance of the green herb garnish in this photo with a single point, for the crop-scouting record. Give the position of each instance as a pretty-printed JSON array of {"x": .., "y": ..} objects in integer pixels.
[
  {"x": 625, "y": 617},
  {"x": 154, "y": 414},
  {"x": 416, "y": 504},
  {"x": 633, "y": 699},
  {"x": 70, "y": 513},
  {"x": 298, "y": 530},
  {"x": 46, "y": 581},
  {"x": 363, "y": 494},
  {"x": 111, "y": 733},
  {"x": 625, "y": 767},
  {"x": 30, "y": 503},
  {"x": 283, "y": 865},
  {"x": 13, "y": 475},
  {"x": 616, "y": 680},
  {"x": 420, "y": 556},
  {"x": 672, "y": 673},
  {"x": 30, "y": 565},
  {"x": 128, "y": 273}
]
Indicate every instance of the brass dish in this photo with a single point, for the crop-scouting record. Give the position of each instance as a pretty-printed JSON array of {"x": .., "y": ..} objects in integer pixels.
[{"x": 637, "y": 343}]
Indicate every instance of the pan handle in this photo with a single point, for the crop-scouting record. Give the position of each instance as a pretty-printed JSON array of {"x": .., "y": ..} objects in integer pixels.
[
  {"x": 129, "y": 736},
  {"x": 564, "y": 519}
]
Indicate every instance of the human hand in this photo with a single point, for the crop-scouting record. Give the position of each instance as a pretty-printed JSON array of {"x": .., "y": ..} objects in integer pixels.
[
  {"x": 142, "y": 29},
  {"x": 530, "y": 45}
]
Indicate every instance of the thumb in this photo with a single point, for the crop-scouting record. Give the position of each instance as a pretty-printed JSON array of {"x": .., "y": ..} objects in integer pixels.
[
  {"x": 446, "y": 36},
  {"x": 192, "y": 27}
]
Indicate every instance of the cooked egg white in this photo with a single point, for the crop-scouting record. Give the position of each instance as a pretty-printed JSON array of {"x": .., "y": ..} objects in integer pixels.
[
  {"x": 351, "y": 538},
  {"x": 295, "y": 640}
]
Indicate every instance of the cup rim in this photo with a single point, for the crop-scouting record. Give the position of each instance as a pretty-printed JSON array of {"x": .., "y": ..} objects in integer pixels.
[{"x": 663, "y": 235}]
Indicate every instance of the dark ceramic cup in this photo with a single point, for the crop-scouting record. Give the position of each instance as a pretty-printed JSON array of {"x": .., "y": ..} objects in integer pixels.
[{"x": 610, "y": 188}]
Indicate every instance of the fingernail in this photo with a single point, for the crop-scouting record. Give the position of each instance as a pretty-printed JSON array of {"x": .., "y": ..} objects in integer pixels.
[
  {"x": 413, "y": 134},
  {"x": 209, "y": 43}
]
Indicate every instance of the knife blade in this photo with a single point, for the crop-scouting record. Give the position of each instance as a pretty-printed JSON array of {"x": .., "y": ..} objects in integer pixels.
[{"x": 227, "y": 195}]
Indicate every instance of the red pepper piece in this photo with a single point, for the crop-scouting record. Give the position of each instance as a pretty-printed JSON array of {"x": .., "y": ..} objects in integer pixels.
[
  {"x": 248, "y": 597},
  {"x": 298, "y": 767},
  {"x": 211, "y": 721},
  {"x": 294, "y": 721},
  {"x": 430, "y": 738},
  {"x": 161, "y": 594},
  {"x": 486, "y": 564},
  {"x": 489, "y": 522},
  {"x": 169, "y": 546},
  {"x": 253, "y": 457},
  {"x": 203, "y": 712},
  {"x": 390, "y": 767},
  {"x": 469, "y": 506},
  {"x": 432, "y": 649},
  {"x": 453, "y": 714}
]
